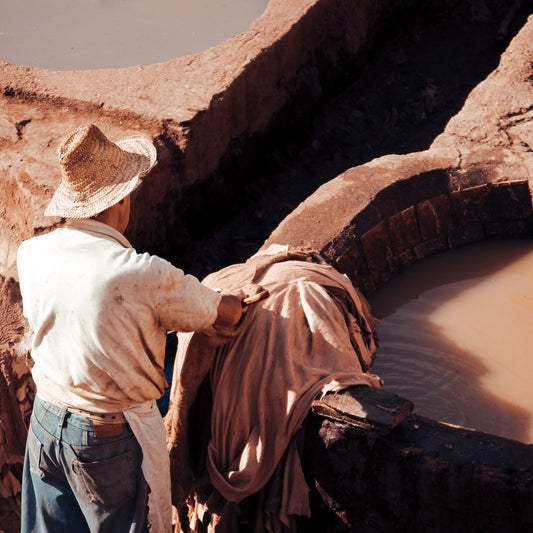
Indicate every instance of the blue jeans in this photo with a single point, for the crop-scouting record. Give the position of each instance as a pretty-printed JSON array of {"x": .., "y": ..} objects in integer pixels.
[{"x": 75, "y": 482}]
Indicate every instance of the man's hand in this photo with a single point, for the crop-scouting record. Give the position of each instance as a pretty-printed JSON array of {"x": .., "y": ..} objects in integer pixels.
[
  {"x": 230, "y": 313},
  {"x": 230, "y": 310}
]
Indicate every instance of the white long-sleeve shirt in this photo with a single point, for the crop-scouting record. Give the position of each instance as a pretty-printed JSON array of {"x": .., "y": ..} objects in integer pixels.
[{"x": 100, "y": 312}]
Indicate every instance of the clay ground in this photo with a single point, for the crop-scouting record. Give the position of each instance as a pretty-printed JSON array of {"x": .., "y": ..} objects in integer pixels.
[
  {"x": 417, "y": 79},
  {"x": 398, "y": 102}
]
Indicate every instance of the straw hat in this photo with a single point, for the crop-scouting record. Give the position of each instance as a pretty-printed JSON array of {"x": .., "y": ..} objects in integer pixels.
[{"x": 97, "y": 173}]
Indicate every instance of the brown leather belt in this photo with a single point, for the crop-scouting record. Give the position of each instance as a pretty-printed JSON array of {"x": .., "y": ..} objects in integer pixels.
[
  {"x": 104, "y": 430},
  {"x": 104, "y": 424}
]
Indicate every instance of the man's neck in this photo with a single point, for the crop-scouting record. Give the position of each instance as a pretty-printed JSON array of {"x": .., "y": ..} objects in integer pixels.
[{"x": 115, "y": 216}]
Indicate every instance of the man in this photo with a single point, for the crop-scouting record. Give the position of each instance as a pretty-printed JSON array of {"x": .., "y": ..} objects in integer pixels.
[{"x": 96, "y": 456}]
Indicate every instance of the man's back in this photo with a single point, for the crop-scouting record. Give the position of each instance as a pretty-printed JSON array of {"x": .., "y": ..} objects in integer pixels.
[{"x": 99, "y": 314}]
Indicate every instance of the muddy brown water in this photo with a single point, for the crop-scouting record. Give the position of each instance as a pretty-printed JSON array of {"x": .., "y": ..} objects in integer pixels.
[
  {"x": 94, "y": 34},
  {"x": 456, "y": 337}
]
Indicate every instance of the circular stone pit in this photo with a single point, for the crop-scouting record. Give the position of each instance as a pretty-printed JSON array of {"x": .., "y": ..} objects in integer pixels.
[{"x": 372, "y": 221}]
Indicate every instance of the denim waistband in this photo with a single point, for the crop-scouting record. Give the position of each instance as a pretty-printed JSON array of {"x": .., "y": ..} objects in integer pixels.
[{"x": 109, "y": 418}]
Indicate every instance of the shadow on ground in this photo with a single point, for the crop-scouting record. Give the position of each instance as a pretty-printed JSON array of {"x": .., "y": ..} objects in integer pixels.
[{"x": 416, "y": 80}]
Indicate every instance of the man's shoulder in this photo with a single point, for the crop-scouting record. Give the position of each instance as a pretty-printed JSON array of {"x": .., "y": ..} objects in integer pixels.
[
  {"x": 151, "y": 264},
  {"x": 36, "y": 241}
]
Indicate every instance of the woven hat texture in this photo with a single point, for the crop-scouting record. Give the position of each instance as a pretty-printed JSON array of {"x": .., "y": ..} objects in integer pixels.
[{"x": 97, "y": 173}]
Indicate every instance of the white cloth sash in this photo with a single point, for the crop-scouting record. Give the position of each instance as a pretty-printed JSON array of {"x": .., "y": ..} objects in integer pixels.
[{"x": 147, "y": 425}]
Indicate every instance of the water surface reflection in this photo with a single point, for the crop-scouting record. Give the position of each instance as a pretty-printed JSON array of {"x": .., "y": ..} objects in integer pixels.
[
  {"x": 93, "y": 34},
  {"x": 456, "y": 337}
]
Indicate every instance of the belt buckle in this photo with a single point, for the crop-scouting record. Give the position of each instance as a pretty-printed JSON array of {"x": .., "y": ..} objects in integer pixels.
[{"x": 104, "y": 430}]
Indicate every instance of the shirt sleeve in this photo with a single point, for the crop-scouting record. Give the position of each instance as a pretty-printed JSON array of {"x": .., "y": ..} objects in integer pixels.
[{"x": 184, "y": 303}]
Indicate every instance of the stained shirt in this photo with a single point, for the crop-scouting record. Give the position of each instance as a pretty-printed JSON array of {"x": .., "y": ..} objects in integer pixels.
[{"x": 100, "y": 312}]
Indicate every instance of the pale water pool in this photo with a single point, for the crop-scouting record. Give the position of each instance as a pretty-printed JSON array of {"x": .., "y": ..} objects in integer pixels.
[
  {"x": 94, "y": 34},
  {"x": 456, "y": 337}
]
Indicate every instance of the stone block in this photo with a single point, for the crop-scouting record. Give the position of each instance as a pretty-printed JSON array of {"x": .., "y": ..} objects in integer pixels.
[
  {"x": 434, "y": 218},
  {"x": 378, "y": 253},
  {"x": 470, "y": 206},
  {"x": 352, "y": 263},
  {"x": 373, "y": 411},
  {"x": 510, "y": 201},
  {"x": 403, "y": 230},
  {"x": 470, "y": 211}
]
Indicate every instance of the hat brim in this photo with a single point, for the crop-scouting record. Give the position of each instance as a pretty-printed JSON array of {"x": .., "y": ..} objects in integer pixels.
[{"x": 142, "y": 157}]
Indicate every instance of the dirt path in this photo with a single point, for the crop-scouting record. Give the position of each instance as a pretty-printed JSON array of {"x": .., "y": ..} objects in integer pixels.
[{"x": 418, "y": 78}]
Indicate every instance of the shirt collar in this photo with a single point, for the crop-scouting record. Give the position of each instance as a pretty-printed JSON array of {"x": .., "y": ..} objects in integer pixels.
[{"x": 94, "y": 226}]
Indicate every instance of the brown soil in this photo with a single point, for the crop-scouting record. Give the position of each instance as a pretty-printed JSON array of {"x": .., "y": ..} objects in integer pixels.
[{"x": 417, "y": 78}]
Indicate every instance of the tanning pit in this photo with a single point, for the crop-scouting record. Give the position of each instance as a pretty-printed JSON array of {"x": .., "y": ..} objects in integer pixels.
[{"x": 213, "y": 115}]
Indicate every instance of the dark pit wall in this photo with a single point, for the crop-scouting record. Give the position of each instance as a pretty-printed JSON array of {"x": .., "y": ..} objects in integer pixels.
[
  {"x": 452, "y": 218},
  {"x": 395, "y": 99},
  {"x": 424, "y": 475}
]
